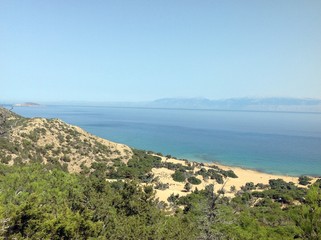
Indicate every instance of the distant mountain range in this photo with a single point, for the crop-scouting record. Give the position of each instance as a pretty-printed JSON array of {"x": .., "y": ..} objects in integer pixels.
[
  {"x": 245, "y": 104},
  {"x": 279, "y": 104}
]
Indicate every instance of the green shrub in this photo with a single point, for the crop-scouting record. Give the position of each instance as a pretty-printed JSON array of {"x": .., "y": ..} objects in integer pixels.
[
  {"x": 304, "y": 180},
  {"x": 161, "y": 186},
  {"x": 248, "y": 186},
  {"x": 194, "y": 180},
  {"x": 318, "y": 183},
  {"x": 214, "y": 175},
  {"x": 173, "y": 198},
  {"x": 281, "y": 184},
  {"x": 65, "y": 158},
  {"x": 229, "y": 173},
  {"x": 188, "y": 187},
  {"x": 179, "y": 176}
]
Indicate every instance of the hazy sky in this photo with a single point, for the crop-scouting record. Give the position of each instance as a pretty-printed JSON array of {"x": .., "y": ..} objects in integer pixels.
[{"x": 144, "y": 50}]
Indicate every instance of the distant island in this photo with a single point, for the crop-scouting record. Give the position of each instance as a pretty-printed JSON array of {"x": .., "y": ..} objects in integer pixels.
[{"x": 26, "y": 104}]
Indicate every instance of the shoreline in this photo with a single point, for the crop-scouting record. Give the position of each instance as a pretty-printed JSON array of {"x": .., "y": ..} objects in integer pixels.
[
  {"x": 260, "y": 170},
  {"x": 244, "y": 176},
  {"x": 218, "y": 162},
  {"x": 179, "y": 139}
]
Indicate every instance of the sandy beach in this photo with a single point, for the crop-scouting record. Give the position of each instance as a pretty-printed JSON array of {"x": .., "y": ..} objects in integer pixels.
[{"x": 244, "y": 176}]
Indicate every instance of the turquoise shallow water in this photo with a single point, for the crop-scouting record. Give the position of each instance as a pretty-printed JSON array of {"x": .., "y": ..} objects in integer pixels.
[{"x": 274, "y": 142}]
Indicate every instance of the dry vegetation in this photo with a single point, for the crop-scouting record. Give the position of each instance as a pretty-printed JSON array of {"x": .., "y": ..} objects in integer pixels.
[{"x": 53, "y": 141}]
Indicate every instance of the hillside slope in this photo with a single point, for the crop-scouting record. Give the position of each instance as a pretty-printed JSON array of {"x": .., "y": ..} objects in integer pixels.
[{"x": 54, "y": 141}]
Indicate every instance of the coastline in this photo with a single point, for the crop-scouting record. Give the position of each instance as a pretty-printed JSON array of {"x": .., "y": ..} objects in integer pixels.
[
  {"x": 244, "y": 176},
  {"x": 205, "y": 136},
  {"x": 231, "y": 165}
]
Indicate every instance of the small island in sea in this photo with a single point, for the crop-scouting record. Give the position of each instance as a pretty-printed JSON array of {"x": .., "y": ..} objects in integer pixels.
[
  {"x": 26, "y": 104},
  {"x": 59, "y": 181}
]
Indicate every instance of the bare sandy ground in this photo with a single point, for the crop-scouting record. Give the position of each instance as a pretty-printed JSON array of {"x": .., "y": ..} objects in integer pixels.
[{"x": 244, "y": 176}]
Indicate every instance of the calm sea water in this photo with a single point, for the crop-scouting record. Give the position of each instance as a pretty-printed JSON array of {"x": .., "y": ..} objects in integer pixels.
[{"x": 274, "y": 142}]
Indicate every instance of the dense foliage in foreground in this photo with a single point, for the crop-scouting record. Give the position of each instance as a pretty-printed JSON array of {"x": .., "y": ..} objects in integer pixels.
[{"x": 41, "y": 202}]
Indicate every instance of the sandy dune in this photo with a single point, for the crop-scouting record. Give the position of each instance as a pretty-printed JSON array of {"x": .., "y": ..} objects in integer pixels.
[{"x": 244, "y": 176}]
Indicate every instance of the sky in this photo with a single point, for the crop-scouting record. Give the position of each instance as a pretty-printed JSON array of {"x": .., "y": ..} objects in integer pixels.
[{"x": 102, "y": 51}]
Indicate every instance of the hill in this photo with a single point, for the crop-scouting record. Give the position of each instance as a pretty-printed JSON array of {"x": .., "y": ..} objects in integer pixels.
[{"x": 53, "y": 141}]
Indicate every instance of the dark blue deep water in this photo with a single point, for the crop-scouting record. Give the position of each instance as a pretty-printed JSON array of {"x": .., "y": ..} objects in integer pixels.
[{"x": 274, "y": 142}]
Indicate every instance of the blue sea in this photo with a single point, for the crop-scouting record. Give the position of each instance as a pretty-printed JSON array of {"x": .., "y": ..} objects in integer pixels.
[{"x": 273, "y": 142}]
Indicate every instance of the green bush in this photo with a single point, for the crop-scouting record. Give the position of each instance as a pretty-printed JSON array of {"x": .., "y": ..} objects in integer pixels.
[
  {"x": 229, "y": 173},
  {"x": 161, "y": 186},
  {"x": 304, "y": 180},
  {"x": 179, "y": 176},
  {"x": 217, "y": 177},
  {"x": 281, "y": 184},
  {"x": 194, "y": 180},
  {"x": 248, "y": 186}
]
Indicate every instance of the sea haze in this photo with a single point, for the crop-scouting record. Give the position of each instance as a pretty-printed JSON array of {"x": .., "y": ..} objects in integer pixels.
[{"x": 273, "y": 142}]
